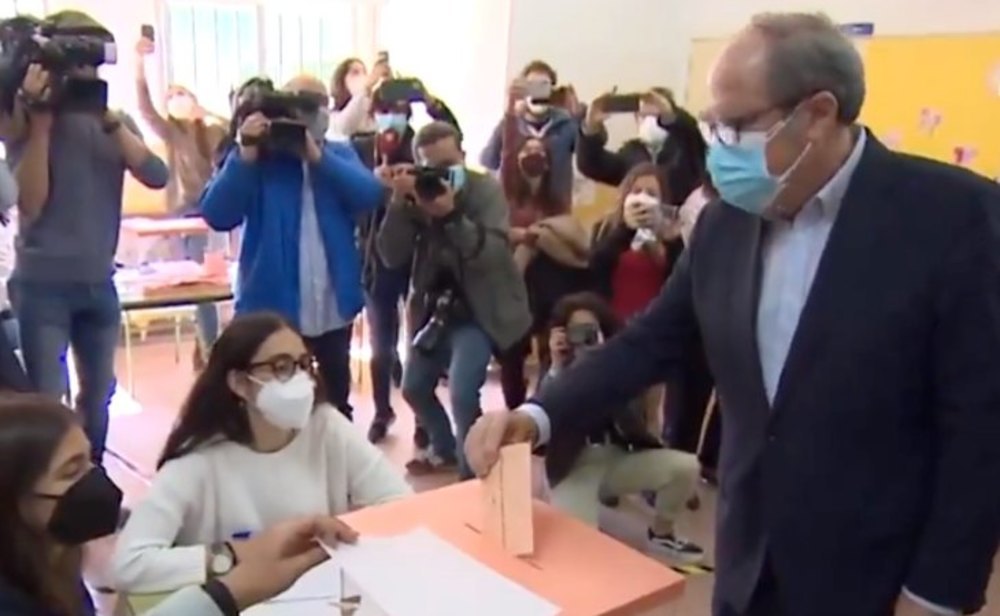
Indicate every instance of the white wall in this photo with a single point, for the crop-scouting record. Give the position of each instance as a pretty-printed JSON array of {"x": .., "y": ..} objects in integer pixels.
[{"x": 596, "y": 44}]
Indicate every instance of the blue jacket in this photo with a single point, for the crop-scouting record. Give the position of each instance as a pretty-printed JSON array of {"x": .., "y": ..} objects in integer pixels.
[{"x": 266, "y": 196}]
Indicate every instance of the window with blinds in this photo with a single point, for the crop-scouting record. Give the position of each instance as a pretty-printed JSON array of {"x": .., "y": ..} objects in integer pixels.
[
  {"x": 308, "y": 40},
  {"x": 212, "y": 48}
]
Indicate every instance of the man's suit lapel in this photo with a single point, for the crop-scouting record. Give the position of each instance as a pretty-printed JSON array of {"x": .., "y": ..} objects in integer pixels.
[
  {"x": 746, "y": 296},
  {"x": 849, "y": 249}
]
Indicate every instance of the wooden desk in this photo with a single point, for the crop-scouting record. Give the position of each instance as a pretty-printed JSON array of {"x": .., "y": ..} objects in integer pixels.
[{"x": 582, "y": 570}]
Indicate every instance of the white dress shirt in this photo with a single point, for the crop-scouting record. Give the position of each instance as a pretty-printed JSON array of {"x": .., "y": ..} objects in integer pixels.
[
  {"x": 318, "y": 313},
  {"x": 790, "y": 257}
]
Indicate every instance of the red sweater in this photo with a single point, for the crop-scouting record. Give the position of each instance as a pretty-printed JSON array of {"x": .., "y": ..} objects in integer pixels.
[{"x": 635, "y": 282}]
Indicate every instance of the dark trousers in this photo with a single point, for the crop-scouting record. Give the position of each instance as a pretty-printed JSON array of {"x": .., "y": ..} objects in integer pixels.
[
  {"x": 382, "y": 303},
  {"x": 765, "y": 600},
  {"x": 513, "y": 381},
  {"x": 332, "y": 351}
]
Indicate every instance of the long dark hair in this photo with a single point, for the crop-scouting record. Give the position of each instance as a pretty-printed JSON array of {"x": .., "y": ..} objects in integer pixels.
[
  {"x": 212, "y": 410},
  {"x": 338, "y": 83},
  {"x": 31, "y": 428}
]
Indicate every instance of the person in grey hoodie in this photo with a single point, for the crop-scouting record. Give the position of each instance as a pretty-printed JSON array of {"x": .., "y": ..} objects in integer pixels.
[
  {"x": 70, "y": 168},
  {"x": 468, "y": 296},
  {"x": 541, "y": 118}
]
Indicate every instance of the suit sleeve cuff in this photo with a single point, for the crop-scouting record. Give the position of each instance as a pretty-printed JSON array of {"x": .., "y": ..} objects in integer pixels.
[
  {"x": 927, "y": 605},
  {"x": 537, "y": 414}
]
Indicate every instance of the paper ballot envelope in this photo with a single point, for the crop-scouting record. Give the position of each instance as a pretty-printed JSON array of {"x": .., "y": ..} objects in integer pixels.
[
  {"x": 507, "y": 501},
  {"x": 354, "y": 601}
]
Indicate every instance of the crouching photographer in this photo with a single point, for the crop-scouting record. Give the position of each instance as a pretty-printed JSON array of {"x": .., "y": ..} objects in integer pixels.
[
  {"x": 70, "y": 154},
  {"x": 624, "y": 457},
  {"x": 468, "y": 296},
  {"x": 298, "y": 196}
]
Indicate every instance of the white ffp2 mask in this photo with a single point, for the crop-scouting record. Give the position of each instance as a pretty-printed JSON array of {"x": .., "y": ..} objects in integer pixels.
[{"x": 287, "y": 404}]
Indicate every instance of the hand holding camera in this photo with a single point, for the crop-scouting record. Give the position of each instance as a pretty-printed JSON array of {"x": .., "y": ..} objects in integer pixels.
[
  {"x": 402, "y": 182},
  {"x": 440, "y": 206},
  {"x": 559, "y": 347},
  {"x": 516, "y": 95},
  {"x": 252, "y": 130},
  {"x": 36, "y": 88},
  {"x": 660, "y": 104}
]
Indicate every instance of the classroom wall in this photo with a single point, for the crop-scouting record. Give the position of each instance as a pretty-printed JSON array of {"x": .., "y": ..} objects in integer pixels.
[{"x": 596, "y": 44}]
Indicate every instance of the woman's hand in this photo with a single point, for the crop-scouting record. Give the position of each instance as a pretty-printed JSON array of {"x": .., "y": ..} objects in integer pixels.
[
  {"x": 661, "y": 104},
  {"x": 517, "y": 92},
  {"x": 36, "y": 87},
  {"x": 379, "y": 73},
  {"x": 559, "y": 348},
  {"x": 596, "y": 116}
]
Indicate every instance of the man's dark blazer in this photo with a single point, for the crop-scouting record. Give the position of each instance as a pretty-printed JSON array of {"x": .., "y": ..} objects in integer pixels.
[{"x": 878, "y": 466}]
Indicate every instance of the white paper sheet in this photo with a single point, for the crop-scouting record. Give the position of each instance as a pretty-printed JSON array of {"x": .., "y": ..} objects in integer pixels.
[
  {"x": 320, "y": 582},
  {"x": 420, "y": 574}
]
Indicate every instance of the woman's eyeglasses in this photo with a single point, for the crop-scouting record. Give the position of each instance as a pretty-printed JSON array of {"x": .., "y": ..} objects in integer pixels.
[{"x": 283, "y": 367}]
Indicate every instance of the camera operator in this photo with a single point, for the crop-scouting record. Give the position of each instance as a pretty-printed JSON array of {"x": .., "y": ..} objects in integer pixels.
[
  {"x": 468, "y": 295},
  {"x": 298, "y": 195},
  {"x": 70, "y": 163},
  {"x": 385, "y": 287}
]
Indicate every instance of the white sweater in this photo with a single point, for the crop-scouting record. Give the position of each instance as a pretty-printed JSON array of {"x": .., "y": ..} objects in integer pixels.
[{"x": 226, "y": 491}]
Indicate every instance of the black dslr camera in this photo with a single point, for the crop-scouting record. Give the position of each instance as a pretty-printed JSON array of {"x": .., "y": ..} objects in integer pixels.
[
  {"x": 287, "y": 112},
  {"x": 60, "y": 43},
  {"x": 430, "y": 182},
  {"x": 429, "y": 337}
]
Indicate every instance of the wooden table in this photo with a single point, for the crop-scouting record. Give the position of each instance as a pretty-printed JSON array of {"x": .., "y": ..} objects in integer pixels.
[{"x": 576, "y": 567}]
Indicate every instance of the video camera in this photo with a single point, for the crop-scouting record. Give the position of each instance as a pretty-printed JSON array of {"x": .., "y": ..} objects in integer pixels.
[
  {"x": 60, "y": 43},
  {"x": 287, "y": 112}
]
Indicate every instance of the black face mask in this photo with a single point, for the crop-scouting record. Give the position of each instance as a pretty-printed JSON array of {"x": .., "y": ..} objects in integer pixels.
[{"x": 88, "y": 510}]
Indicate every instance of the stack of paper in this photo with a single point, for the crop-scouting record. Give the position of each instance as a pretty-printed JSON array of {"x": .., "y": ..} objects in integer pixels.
[{"x": 420, "y": 574}]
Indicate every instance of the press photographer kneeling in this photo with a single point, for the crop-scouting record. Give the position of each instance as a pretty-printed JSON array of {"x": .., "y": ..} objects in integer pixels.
[
  {"x": 468, "y": 296},
  {"x": 625, "y": 457},
  {"x": 70, "y": 154}
]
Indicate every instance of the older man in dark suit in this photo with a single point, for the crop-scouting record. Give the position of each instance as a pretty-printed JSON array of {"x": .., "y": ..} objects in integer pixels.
[{"x": 849, "y": 302}]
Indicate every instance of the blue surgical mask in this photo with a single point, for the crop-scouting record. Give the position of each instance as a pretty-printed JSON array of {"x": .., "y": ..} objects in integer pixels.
[
  {"x": 739, "y": 172},
  {"x": 391, "y": 121},
  {"x": 457, "y": 177}
]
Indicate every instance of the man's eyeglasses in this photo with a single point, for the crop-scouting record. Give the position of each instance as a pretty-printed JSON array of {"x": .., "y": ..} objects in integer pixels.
[
  {"x": 283, "y": 367},
  {"x": 730, "y": 132}
]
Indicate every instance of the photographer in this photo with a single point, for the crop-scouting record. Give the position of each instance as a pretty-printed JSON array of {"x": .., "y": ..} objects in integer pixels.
[
  {"x": 623, "y": 457},
  {"x": 386, "y": 287},
  {"x": 70, "y": 155},
  {"x": 667, "y": 136},
  {"x": 298, "y": 196},
  {"x": 468, "y": 296},
  {"x": 540, "y": 118}
]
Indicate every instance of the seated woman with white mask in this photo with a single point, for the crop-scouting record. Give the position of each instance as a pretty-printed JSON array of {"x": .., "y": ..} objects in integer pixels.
[{"x": 256, "y": 443}]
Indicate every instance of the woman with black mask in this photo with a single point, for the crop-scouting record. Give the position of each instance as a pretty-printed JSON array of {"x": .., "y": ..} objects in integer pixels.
[
  {"x": 53, "y": 500},
  {"x": 550, "y": 246}
]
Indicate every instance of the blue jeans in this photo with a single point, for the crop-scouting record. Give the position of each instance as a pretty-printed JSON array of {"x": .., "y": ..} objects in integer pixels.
[
  {"x": 206, "y": 313},
  {"x": 382, "y": 309},
  {"x": 54, "y": 316},
  {"x": 465, "y": 353}
]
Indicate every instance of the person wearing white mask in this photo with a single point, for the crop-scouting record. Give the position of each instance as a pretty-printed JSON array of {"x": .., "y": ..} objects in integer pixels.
[
  {"x": 191, "y": 138},
  {"x": 351, "y": 90},
  {"x": 667, "y": 135},
  {"x": 256, "y": 444},
  {"x": 540, "y": 118}
]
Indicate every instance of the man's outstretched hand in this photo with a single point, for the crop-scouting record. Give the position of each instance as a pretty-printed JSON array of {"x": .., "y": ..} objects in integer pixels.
[{"x": 491, "y": 432}]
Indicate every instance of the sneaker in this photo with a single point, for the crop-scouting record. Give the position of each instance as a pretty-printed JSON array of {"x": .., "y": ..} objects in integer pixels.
[
  {"x": 431, "y": 465},
  {"x": 675, "y": 547},
  {"x": 380, "y": 427}
]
